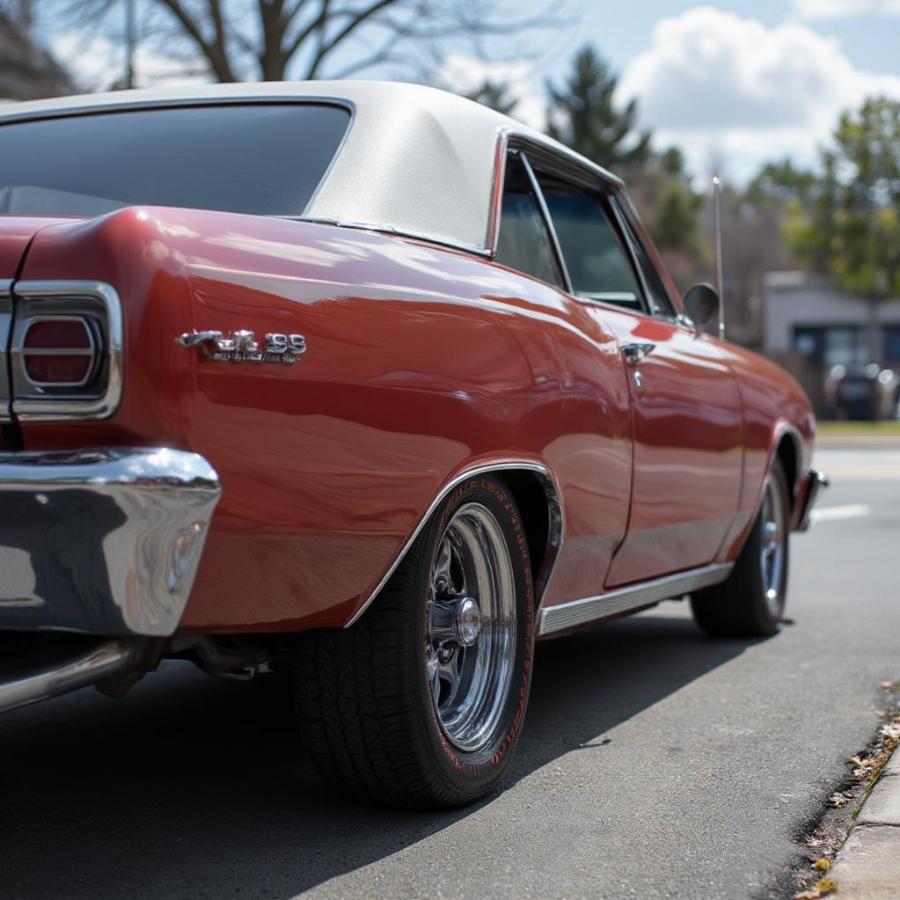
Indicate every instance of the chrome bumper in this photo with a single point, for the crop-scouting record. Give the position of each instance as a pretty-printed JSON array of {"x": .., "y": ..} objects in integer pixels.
[
  {"x": 814, "y": 482},
  {"x": 103, "y": 542}
]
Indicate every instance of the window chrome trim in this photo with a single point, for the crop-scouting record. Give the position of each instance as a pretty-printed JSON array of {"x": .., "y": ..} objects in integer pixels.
[
  {"x": 48, "y": 409},
  {"x": 548, "y": 222},
  {"x": 556, "y": 524},
  {"x": 573, "y": 613}
]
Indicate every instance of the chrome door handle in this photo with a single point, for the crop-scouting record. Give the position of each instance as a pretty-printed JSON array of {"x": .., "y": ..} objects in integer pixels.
[{"x": 634, "y": 353}]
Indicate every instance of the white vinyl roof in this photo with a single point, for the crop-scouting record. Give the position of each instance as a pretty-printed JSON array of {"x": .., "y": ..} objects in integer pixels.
[{"x": 415, "y": 160}]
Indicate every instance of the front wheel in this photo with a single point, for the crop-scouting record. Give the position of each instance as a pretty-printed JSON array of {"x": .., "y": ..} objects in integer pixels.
[
  {"x": 421, "y": 702},
  {"x": 751, "y": 602}
]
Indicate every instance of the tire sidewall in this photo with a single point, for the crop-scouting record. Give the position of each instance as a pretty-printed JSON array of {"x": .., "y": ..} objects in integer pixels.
[{"x": 471, "y": 774}]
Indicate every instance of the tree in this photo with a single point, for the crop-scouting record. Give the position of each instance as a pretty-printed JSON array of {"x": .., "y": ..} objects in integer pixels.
[
  {"x": 272, "y": 40},
  {"x": 27, "y": 70},
  {"x": 781, "y": 183},
  {"x": 583, "y": 115},
  {"x": 853, "y": 227},
  {"x": 496, "y": 95}
]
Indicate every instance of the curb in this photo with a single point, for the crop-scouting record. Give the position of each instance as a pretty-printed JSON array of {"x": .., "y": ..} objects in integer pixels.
[{"x": 868, "y": 865}]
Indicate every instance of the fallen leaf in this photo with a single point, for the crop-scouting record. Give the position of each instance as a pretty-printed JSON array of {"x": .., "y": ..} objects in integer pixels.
[{"x": 822, "y": 864}]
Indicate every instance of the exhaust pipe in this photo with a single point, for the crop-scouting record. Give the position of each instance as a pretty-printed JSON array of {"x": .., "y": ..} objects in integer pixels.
[{"x": 67, "y": 674}]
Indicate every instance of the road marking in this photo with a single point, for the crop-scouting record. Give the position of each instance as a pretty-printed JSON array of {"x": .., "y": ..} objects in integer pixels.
[{"x": 833, "y": 513}]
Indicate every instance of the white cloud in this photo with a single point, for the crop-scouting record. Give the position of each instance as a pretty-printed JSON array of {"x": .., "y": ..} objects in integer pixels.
[
  {"x": 845, "y": 9},
  {"x": 465, "y": 74},
  {"x": 722, "y": 85}
]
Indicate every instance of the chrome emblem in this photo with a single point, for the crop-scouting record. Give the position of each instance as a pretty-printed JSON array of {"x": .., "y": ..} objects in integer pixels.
[{"x": 242, "y": 346}]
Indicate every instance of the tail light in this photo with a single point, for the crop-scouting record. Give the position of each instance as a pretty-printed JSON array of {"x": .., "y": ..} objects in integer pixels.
[
  {"x": 59, "y": 352},
  {"x": 65, "y": 350}
]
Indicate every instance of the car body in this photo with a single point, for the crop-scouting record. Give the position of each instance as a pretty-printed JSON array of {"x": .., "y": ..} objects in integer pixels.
[{"x": 278, "y": 400}]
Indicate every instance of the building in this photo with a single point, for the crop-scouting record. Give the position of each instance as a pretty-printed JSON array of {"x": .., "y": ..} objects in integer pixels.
[{"x": 812, "y": 328}]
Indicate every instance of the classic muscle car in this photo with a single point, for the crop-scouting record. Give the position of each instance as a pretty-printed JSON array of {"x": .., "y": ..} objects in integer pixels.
[{"x": 371, "y": 386}]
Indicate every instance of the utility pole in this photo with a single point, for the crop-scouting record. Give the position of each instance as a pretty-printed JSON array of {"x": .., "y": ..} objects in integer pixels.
[{"x": 130, "y": 43}]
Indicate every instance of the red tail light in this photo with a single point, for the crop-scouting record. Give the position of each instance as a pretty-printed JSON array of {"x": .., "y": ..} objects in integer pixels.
[
  {"x": 65, "y": 350},
  {"x": 59, "y": 351}
]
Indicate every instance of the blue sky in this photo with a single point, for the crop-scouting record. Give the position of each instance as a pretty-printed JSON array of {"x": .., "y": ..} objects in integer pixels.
[
  {"x": 735, "y": 84},
  {"x": 870, "y": 39}
]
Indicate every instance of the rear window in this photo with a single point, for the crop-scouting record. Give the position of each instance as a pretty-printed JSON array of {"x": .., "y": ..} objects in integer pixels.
[{"x": 265, "y": 159}]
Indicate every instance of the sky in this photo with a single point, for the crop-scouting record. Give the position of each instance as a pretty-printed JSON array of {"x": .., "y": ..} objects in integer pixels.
[{"x": 734, "y": 84}]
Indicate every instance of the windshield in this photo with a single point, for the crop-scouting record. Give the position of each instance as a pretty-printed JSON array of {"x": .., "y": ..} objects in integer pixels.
[{"x": 260, "y": 158}]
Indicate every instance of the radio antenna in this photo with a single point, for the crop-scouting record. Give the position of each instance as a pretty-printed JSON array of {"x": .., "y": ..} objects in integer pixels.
[{"x": 720, "y": 287}]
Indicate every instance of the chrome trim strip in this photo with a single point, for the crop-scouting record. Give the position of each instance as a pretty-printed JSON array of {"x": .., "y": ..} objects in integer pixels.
[
  {"x": 590, "y": 609},
  {"x": 556, "y": 514},
  {"x": 5, "y": 330},
  {"x": 102, "y": 542},
  {"x": 68, "y": 674},
  {"x": 49, "y": 409},
  {"x": 548, "y": 222}
]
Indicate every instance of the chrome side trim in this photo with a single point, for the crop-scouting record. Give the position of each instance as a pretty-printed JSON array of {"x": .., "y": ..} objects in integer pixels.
[
  {"x": 555, "y": 512},
  {"x": 50, "y": 294},
  {"x": 67, "y": 674},
  {"x": 102, "y": 542},
  {"x": 590, "y": 609},
  {"x": 5, "y": 327}
]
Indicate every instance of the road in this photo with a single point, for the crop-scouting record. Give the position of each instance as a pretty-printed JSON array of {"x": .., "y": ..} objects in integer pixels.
[{"x": 655, "y": 762}]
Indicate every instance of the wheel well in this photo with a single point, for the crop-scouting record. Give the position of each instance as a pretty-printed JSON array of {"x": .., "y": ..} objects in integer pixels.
[
  {"x": 787, "y": 455},
  {"x": 539, "y": 507}
]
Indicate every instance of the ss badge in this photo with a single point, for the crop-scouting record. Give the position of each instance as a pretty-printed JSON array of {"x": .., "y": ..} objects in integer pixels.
[{"x": 242, "y": 346}]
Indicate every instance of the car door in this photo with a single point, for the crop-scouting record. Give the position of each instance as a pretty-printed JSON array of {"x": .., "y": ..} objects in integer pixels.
[{"x": 686, "y": 409}]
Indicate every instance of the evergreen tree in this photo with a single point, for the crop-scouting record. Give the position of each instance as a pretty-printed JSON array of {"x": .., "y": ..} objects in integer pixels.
[
  {"x": 496, "y": 95},
  {"x": 583, "y": 115}
]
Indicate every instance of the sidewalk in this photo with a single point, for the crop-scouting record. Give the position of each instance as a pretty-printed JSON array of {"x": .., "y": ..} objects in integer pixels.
[{"x": 868, "y": 865}]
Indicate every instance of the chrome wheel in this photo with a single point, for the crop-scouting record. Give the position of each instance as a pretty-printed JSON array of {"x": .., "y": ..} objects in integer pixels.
[
  {"x": 773, "y": 534},
  {"x": 470, "y": 640}
]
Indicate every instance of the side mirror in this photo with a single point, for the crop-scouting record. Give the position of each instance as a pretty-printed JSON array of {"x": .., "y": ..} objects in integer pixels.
[{"x": 701, "y": 303}]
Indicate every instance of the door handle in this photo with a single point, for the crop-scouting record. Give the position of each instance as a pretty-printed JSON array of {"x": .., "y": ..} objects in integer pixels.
[{"x": 636, "y": 352}]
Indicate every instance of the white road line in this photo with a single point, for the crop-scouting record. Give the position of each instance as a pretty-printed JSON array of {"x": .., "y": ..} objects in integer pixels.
[{"x": 833, "y": 513}]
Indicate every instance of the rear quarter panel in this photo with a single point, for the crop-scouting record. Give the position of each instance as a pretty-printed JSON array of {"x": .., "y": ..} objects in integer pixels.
[
  {"x": 776, "y": 408},
  {"x": 421, "y": 362}
]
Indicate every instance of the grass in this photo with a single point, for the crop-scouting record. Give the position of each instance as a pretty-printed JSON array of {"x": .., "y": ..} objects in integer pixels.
[{"x": 860, "y": 429}]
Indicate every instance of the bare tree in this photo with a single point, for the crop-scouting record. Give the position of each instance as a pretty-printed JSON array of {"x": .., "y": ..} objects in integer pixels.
[
  {"x": 27, "y": 69},
  {"x": 238, "y": 40}
]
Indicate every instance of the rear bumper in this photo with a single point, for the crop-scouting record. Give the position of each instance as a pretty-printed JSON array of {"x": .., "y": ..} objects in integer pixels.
[
  {"x": 104, "y": 541},
  {"x": 809, "y": 491}
]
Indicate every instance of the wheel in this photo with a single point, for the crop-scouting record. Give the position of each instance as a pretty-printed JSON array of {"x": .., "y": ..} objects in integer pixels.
[
  {"x": 421, "y": 702},
  {"x": 751, "y": 602}
]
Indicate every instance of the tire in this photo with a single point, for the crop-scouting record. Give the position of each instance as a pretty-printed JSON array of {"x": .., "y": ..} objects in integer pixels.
[
  {"x": 751, "y": 602},
  {"x": 378, "y": 706}
]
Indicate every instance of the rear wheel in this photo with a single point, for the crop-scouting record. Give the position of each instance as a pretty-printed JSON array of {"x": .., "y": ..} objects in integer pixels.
[
  {"x": 421, "y": 702},
  {"x": 751, "y": 602}
]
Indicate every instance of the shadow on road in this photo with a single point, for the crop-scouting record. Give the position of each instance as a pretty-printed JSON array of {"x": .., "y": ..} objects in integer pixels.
[{"x": 197, "y": 788}]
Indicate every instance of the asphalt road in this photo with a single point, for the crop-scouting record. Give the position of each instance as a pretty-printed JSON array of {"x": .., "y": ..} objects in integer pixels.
[{"x": 654, "y": 763}]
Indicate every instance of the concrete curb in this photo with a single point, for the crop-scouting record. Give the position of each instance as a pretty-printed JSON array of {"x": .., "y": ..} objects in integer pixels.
[{"x": 868, "y": 865}]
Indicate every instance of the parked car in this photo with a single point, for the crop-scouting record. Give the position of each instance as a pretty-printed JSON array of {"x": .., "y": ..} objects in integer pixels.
[
  {"x": 867, "y": 392},
  {"x": 371, "y": 386}
]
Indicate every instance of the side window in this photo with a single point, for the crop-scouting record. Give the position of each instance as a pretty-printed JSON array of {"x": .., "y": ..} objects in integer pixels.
[
  {"x": 523, "y": 242},
  {"x": 657, "y": 296},
  {"x": 599, "y": 265}
]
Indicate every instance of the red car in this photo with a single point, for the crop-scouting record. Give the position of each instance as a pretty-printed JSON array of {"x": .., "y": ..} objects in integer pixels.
[{"x": 369, "y": 385}]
